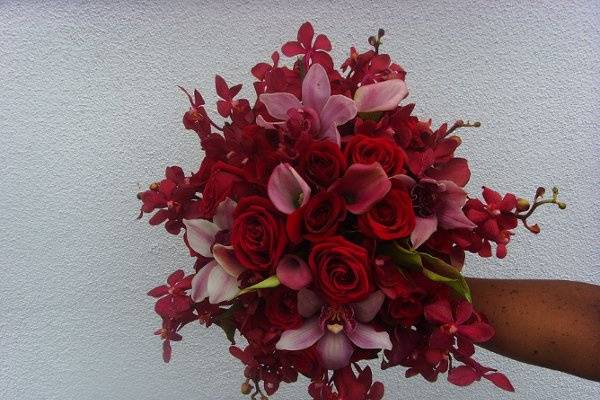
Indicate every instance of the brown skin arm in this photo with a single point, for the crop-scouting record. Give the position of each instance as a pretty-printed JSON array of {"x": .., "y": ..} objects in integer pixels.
[{"x": 553, "y": 324}]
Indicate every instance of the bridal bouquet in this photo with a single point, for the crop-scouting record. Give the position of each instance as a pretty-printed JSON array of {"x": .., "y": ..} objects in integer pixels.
[{"x": 328, "y": 226}]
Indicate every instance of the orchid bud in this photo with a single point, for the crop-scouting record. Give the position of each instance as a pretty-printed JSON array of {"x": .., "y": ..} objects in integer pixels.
[
  {"x": 372, "y": 40},
  {"x": 522, "y": 204},
  {"x": 380, "y": 32},
  {"x": 154, "y": 186},
  {"x": 540, "y": 192},
  {"x": 561, "y": 205},
  {"x": 246, "y": 388}
]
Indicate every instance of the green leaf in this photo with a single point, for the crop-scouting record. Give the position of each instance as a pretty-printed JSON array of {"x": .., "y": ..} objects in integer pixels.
[
  {"x": 226, "y": 322},
  {"x": 270, "y": 282},
  {"x": 432, "y": 267}
]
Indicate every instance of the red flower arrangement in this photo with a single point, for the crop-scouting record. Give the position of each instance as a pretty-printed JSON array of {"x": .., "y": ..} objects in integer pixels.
[{"x": 329, "y": 226}]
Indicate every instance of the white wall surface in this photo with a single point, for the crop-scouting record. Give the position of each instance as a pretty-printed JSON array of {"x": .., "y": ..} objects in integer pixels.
[{"x": 90, "y": 114}]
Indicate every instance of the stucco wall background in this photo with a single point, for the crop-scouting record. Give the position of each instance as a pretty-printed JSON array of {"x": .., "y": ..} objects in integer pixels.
[{"x": 90, "y": 114}]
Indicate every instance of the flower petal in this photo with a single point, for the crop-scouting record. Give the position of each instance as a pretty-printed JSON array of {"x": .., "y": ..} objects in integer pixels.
[
  {"x": 199, "y": 283},
  {"x": 221, "y": 286},
  {"x": 226, "y": 258},
  {"x": 260, "y": 121},
  {"x": 316, "y": 88},
  {"x": 439, "y": 312},
  {"x": 287, "y": 190},
  {"x": 462, "y": 312},
  {"x": 201, "y": 235},
  {"x": 449, "y": 211},
  {"x": 278, "y": 104},
  {"x": 424, "y": 228},
  {"x": 301, "y": 338},
  {"x": 308, "y": 303},
  {"x": 477, "y": 332},
  {"x": 293, "y": 272},
  {"x": 335, "y": 350},
  {"x": 224, "y": 214},
  {"x": 367, "y": 309},
  {"x": 365, "y": 337},
  {"x": 338, "y": 110},
  {"x": 362, "y": 186},
  {"x": 380, "y": 96},
  {"x": 462, "y": 376}
]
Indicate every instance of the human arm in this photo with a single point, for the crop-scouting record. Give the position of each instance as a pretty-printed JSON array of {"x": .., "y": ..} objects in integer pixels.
[{"x": 550, "y": 323}]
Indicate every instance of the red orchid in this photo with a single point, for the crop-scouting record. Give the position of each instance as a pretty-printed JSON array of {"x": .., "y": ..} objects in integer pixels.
[
  {"x": 173, "y": 298},
  {"x": 226, "y": 93},
  {"x": 312, "y": 52}
]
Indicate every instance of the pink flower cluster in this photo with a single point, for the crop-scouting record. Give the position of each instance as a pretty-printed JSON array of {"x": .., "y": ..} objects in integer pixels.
[{"x": 329, "y": 226}]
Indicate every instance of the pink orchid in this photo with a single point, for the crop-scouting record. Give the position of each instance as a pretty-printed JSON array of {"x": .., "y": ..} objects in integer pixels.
[
  {"x": 436, "y": 203},
  {"x": 336, "y": 329},
  {"x": 362, "y": 186},
  {"x": 287, "y": 190},
  {"x": 326, "y": 112},
  {"x": 217, "y": 280},
  {"x": 380, "y": 96}
]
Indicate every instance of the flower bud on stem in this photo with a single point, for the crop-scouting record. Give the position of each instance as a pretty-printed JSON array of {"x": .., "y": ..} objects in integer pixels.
[
  {"x": 524, "y": 211},
  {"x": 462, "y": 124}
]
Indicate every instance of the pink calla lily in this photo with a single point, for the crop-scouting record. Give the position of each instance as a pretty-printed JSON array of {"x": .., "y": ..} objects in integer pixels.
[
  {"x": 336, "y": 330},
  {"x": 331, "y": 111},
  {"x": 362, "y": 186},
  {"x": 380, "y": 96},
  {"x": 293, "y": 272},
  {"x": 287, "y": 190}
]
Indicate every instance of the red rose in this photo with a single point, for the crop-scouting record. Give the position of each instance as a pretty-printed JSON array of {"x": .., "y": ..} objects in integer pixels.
[
  {"x": 341, "y": 270},
  {"x": 362, "y": 149},
  {"x": 258, "y": 234},
  {"x": 224, "y": 181},
  {"x": 322, "y": 162},
  {"x": 282, "y": 308},
  {"x": 319, "y": 218},
  {"x": 390, "y": 218}
]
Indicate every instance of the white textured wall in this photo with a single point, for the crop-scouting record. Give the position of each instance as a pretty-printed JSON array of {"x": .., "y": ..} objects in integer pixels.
[{"x": 90, "y": 113}]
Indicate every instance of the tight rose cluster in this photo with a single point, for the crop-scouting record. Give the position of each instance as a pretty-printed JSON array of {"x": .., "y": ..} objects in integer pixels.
[{"x": 329, "y": 226}]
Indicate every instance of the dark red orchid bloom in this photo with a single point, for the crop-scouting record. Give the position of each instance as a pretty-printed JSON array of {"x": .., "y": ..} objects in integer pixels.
[
  {"x": 312, "y": 52},
  {"x": 227, "y": 94},
  {"x": 173, "y": 298}
]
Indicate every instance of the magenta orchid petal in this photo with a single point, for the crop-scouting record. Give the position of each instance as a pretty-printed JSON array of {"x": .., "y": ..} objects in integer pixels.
[
  {"x": 477, "y": 332},
  {"x": 301, "y": 338},
  {"x": 365, "y": 337},
  {"x": 226, "y": 258},
  {"x": 278, "y": 104},
  {"x": 367, "y": 309},
  {"x": 439, "y": 312},
  {"x": 221, "y": 286},
  {"x": 449, "y": 212},
  {"x": 308, "y": 303},
  {"x": 463, "y": 312},
  {"x": 335, "y": 350},
  {"x": 287, "y": 190},
  {"x": 332, "y": 134},
  {"x": 362, "y": 186},
  {"x": 424, "y": 228},
  {"x": 199, "y": 283},
  {"x": 380, "y": 96},
  {"x": 316, "y": 88},
  {"x": 338, "y": 110},
  {"x": 201, "y": 235},
  {"x": 293, "y": 272},
  {"x": 224, "y": 214}
]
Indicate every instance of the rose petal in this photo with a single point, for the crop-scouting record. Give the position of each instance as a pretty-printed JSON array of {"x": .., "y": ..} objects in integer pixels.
[
  {"x": 225, "y": 256},
  {"x": 380, "y": 96},
  {"x": 362, "y": 186},
  {"x": 365, "y": 337},
  {"x": 221, "y": 286},
  {"x": 293, "y": 272},
  {"x": 367, "y": 309},
  {"x": 199, "y": 283},
  {"x": 335, "y": 350},
  {"x": 308, "y": 303},
  {"x": 424, "y": 228},
  {"x": 287, "y": 190},
  {"x": 201, "y": 235},
  {"x": 301, "y": 338},
  {"x": 278, "y": 104},
  {"x": 224, "y": 214},
  {"x": 316, "y": 88}
]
